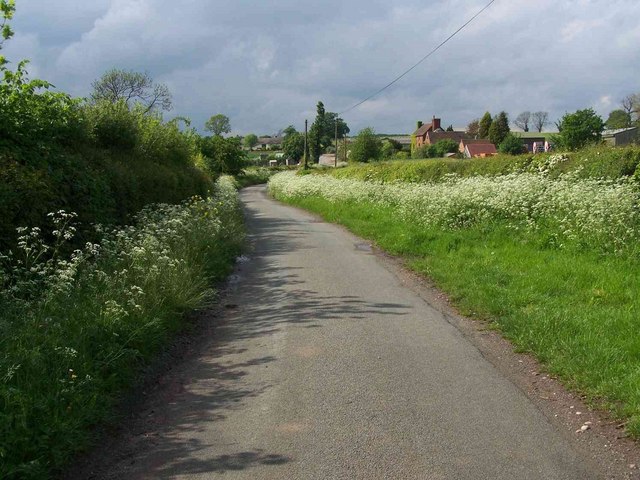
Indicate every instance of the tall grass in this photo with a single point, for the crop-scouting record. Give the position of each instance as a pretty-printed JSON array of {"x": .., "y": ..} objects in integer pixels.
[{"x": 74, "y": 329}]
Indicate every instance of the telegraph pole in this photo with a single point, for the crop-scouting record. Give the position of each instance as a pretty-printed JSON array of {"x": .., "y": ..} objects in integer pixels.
[{"x": 305, "y": 144}]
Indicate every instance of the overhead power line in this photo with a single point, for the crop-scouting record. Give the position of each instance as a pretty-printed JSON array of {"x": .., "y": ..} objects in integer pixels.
[{"x": 420, "y": 61}]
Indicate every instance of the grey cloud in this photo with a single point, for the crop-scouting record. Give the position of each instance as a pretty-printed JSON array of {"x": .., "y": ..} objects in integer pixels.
[{"x": 266, "y": 64}]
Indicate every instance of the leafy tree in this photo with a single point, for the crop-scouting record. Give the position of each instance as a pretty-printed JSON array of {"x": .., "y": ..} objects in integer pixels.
[
  {"x": 218, "y": 124},
  {"x": 289, "y": 130},
  {"x": 618, "y": 119},
  {"x": 7, "y": 9},
  {"x": 390, "y": 147},
  {"x": 442, "y": 147},
  {"x": 512, "y": 144},
  {"x": 473, "y": 129},
  {"x": 293, "y": 146},
  {"x": 322, "y": 131},
  {"x": 499, "y": 128},
  {"x": 484, "y": 125},
  {"x": 132, "y": 88},
  {"x": 450, "y": 128},
  {"x": 581, "y": 128},
  {"x": 250, "y": 140},
  {"x": 437, "y": 150},
  {"x": 540, "y": 120},
  {"x": 522, "y": 121},
  {"x": 318, "y": 138},
  {"x": 366, "y": 146},
  {"x": 223, "y": 155},
  {"x": 343, "y": 128}
]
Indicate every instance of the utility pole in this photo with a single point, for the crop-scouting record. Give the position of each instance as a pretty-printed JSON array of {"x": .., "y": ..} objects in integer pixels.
[
  {"x": 305, "y": 144},
  {"x": 336, "y": 144}
]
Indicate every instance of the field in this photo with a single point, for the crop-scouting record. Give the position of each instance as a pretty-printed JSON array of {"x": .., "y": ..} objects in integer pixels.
[{"x": 545, "y": 250}]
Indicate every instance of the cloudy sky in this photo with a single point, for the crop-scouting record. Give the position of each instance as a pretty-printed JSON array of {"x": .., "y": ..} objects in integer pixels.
[{"x": 266, "y": 63}]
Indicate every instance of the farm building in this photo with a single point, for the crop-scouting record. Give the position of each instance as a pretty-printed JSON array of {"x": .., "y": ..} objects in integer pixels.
[
  {"x": 621, "y": 136},
  {"x": 480, "y": 150}
]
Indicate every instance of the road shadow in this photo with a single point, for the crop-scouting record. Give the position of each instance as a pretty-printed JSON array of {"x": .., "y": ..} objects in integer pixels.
[{"x": 167, "y": 438}]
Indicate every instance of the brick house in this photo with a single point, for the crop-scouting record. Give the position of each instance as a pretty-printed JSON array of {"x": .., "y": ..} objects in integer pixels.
[
  {"x": 422, "y": 131},
  {"x": 435, "y": 137},
  {"x": 433, "y": 132}
]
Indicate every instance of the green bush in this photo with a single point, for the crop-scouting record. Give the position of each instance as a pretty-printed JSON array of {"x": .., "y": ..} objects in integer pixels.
[
  {"x": 512, "y": 145},
  {"x": 35, "y": 121},
  {"x": 436, "y": 150},
  {"x": 366, "y": 147},
  {"x": 113, "y": 125}
]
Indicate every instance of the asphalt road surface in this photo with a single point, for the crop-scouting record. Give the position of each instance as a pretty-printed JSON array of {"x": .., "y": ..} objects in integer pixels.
[{"x": 326, "y": 366}]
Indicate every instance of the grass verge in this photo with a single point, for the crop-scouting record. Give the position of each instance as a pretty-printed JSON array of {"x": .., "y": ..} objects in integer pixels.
[
  {"x": 76, "y": 330},
  {"x": 576, "y": 309}
]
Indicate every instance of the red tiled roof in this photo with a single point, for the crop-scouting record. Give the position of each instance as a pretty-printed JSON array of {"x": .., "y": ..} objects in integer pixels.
[
  {"x": 477, "y": 149},
  {"x": 422, "y": 130},
  {"x": 437, "y": 136}
]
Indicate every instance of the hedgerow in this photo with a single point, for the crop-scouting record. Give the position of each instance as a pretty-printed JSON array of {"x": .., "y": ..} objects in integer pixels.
[
  {"x": 597, "y": 162},
  {"x": 76, "y": 328}
]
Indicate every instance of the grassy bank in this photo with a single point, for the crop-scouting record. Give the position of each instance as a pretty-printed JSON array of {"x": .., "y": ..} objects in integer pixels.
[
  {"x": 551, "y": 262},
  {"x": 597, "y": 162},
  {"x": 75, "y": 330}
]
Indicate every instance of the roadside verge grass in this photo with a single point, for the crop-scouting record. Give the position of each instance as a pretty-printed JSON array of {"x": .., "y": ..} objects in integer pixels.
[
  {"x": 570, "y": 300},
  {"x": 75, "y": 329}
]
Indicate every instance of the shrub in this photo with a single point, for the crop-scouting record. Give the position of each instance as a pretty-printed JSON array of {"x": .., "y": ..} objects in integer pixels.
[
  {"x": 113, "y": 125},
  {"x": 223, "y": 155},
  {"x": 366, "y": 147},
  {"x": 512, "y": 145},
  {"x": 580, "y": 129},
  {"x": 35, "y": 121},
  {"x": 75, "y": 330}
]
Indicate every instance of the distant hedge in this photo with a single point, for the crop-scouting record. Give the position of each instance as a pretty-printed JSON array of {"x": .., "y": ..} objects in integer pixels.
[{"x": 597, "y": 162}]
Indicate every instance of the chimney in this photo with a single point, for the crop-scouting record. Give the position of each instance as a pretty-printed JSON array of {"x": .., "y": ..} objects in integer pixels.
[{"x": 435, "y": 123}]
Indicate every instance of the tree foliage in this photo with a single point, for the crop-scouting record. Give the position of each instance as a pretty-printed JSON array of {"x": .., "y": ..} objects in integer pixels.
[
  {"x": 523, "y": 120},
  {"x": 437, "y": 150},
  {"x": 366, "y": 146},
  {"x": 322, "y": 131},
  {"x": 289, "y": 130},
  {"x": 473, "y": 129},
  {"x": 499, "y": 128},
  {"x": 581, "y": 128},
  {"x": 250, "y": 140},
  {"x": 223, "y": 155},
  {"x": 132, "y": 88},
  {"x": 484, "y": 125},
  {"x": 618, "y": 119},
  {"x": 7, "y": 9},
  {"x": 218, "y": 125},
  {"x": 540, "y": 120},
  {"x": 293, "y": 145},
  {"x": 390, "y": 147},
  {"x": 512, "y": 144}
]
